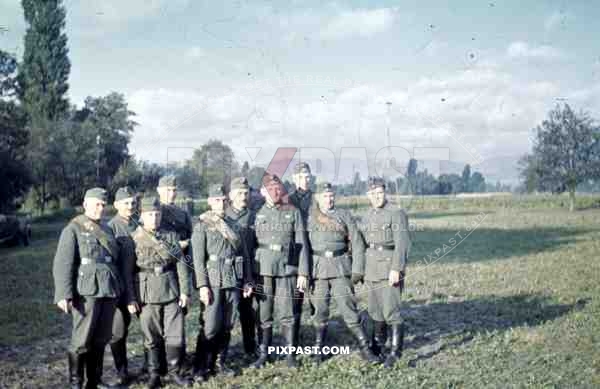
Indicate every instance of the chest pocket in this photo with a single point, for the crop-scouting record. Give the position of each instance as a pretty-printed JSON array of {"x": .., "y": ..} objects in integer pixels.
[
  {"x": 387, "y": 227},
  {"x": 89, "y": 247},
  {"x": 261, "y": 230}
]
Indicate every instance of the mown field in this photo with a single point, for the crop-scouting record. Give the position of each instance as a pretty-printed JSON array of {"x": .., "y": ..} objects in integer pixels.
[{"x": 515, "y": 302}]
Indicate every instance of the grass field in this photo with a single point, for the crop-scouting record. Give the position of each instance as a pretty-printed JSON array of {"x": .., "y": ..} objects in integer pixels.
[{"x": 514, "y": 303}]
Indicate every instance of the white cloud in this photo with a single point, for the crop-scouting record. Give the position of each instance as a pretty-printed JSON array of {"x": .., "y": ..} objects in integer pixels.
[
  {"x": 556, "y": 19},
  {"x": 522, "y": 49},
  {"x": 359, "y": 22},
  {"x": 194, "y": 52}
]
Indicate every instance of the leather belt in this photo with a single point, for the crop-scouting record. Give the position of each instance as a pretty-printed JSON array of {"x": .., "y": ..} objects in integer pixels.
[
  {"x": 157, "y": 270},
  {"x": 272, "y": 247},
  {"x": 215, "y": 258},
  {"x": 87, "y": 261},
  {"x": 330, "y": 254},
  {"x": 380, "y": 247}
]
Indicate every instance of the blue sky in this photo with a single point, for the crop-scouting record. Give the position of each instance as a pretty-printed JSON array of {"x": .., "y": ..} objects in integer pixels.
[{"x": 318, "y": 74}]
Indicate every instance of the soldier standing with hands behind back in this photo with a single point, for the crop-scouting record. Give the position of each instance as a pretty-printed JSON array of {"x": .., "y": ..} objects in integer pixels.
[
  {"x": 87, "y": 286},
  {"x": 242, "y": 219},
  {"x": 220, "y": 274},
  {"x": 162, "y": 288},
  {"x": 385, "y": 230},
  {"x": 123, "y": 225},
  {"x": 302, "y": 199}
]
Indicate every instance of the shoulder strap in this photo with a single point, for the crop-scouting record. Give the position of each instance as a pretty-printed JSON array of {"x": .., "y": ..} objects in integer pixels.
[{"x": 105, "y": 240}]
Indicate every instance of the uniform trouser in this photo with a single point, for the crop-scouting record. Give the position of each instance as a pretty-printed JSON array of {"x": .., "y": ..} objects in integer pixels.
[
  {"x": 275, "y": 300},
  {"x": 121, "y": 321},
  {"x": 342, "y": 291},
  {"x": 221, "y": 315},
  {"x": 162, "y": 323},
  {"x": 247, "y": 311},
  {"x": 384, "y": 302},
  {"x": 92, "y": 323}
]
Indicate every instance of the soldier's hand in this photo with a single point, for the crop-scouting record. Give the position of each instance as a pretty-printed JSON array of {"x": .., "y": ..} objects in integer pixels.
[
  {"x": 183, "y": 299},
  {"x": 356, "y": 278},
  {"x": 394, "y": 278},
  {"x": 302, "y": 283},
  {"x": 184, "y": 244},
  {"x": 205, "y": 295},
  {"x": 133, "y": 308},
  {"x": 65, "y": 305},
  {"x": 248, "y": 289}
]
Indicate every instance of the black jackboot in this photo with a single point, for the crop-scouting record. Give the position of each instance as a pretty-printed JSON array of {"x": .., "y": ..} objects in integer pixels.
[
  {"x": 76, "y": 364},
  {"x": 94, "y": 362},
  {"x": 379, "y": 338},
  {"x": 263, "y": 356},
  {"x": 200, "y": 363},
  {"x": 396, "y": 347},
  {"x": 288, "y": 333},
  {"x": 363, "y": 343},
  {"x": 174, "y": 362},
  {"x": 320, "y": 342},
  {"x": 154, "y": 358},
  {"x": 119, "y": 353},
  {"x": 220, "y": 367}
]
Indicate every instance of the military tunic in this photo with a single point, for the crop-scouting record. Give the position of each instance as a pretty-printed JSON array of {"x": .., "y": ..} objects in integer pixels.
[
  {"x": 86, "y": 271},
  {"x": 386, "y": 235},
  {"x": 242, "y": 220},
  {"x": 219, "y": 268},
  {"x": 122, "y": 229},
  {"x": 333, "y": 264},
  {"x": 279, "y": 232},
  {"x": 161, "y": 278}
]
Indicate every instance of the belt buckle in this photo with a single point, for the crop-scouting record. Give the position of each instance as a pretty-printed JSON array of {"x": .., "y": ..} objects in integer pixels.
[
  {"x": 380, "y": 248},
  {"x": 328, "y": 254},
  {"x": 158, "y": 270},
  {"x": 107, "y": 259},
  {"x": 86, "y": 261},
  {"x": 276, "y": 247}
]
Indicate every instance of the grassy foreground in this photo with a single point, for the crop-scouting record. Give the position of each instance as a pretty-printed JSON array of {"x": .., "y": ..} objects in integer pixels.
[{"x": 515, "y": 302}]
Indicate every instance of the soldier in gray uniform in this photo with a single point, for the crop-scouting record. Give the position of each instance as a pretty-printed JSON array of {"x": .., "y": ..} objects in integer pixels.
[
  {"x": 279, "y": 229},
  {"x": 162, "y": 290},
  {"x": 338, "y": 253},
  {"x": 123, "y": 225},
  {"x": 385, "y": 229},
  {"x": 175, "y": 219},
  {"x": 87, "y": 285},
  {"x": 242, "y": 220},
  {"x": 220, "y": 275},
  {"x": 302, "y": 199}
]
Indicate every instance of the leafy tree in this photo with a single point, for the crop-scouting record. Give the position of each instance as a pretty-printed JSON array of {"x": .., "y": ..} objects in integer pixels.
[
  {"x": 567, "y": 151},
  {"x": 108, "y": 121},
  {"x": 528, "y": 173},
  {"x": 215, "y": 163},
  {"x": 466, "y": 179},
  {"x": 42, "y": 84},
  {"x": 477, "y": 182}
]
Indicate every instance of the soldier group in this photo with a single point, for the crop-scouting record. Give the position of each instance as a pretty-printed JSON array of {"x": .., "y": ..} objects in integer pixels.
[{"x": 255, "y": 263}]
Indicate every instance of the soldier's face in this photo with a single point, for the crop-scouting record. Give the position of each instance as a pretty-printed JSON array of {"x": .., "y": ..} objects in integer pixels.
[
  {"x": 302, "y": 180},
  {"x": 239, "y": 198},
  {"x": 167, "y": 194},
  {"x": 272, "y": 193},
  {"x": 327, "y": 200},
  {"x": 217, "y": 204},
  {"x": 376, "y": 197},
  {"x": 126, "y": 207},
  {"x": 94, "y": 208},
  {"x": 151, "y": 220}
]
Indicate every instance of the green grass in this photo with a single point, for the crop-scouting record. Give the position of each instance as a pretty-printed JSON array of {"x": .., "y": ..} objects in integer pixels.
[{"x": 516, "y": 304}]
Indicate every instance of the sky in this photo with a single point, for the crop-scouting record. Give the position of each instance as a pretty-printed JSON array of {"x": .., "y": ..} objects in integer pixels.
[{"x": 463, "y": 81}]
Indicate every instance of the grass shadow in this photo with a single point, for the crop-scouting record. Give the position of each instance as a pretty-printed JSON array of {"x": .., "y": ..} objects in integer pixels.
[
  {"x": 434, "y": 327},
  {"x": 484, "y": 244}
]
